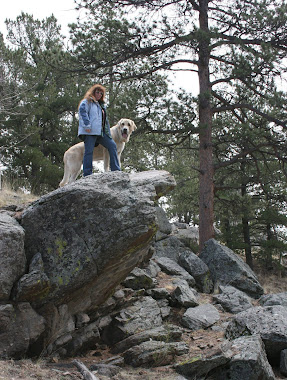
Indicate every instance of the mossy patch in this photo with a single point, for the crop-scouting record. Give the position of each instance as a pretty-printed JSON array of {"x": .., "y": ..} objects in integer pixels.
[{"x": 61, "y": 245}]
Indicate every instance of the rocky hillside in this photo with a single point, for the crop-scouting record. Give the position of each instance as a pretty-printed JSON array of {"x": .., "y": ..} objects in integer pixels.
[{"x": 100, "y": 275}]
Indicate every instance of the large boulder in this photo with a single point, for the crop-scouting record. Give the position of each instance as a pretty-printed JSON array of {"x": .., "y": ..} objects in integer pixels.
[
  {"x": 227, "y": 268},
  {"x": 12, "y": 258},
  {"x": 81, "y": 241},
  {"x": 20, "y": 326},
  {"x": 171, "y": 247},
  {"x": 92, "y": 233},
  {"x": 244, "y": 357},
  {"x": 270, "y": 322}
]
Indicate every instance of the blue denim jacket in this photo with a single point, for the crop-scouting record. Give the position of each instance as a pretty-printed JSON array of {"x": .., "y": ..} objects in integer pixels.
[{"x": 91, "y": 117}]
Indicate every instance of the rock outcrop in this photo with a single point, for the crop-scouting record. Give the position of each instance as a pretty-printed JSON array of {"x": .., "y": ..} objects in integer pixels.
[
  {"x": 81, "y": 241},
  {"x": 12, "y": 258},
  {"x": 103, "y": 267},
  {"x": 229, "y": 269},
  {"x": 270, "y": 322}
]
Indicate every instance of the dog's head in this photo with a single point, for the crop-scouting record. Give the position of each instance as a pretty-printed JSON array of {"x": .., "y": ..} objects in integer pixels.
[{"x": 126, "y": 128}]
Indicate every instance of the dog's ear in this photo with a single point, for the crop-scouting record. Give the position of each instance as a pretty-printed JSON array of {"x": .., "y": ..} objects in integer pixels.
[
  {"x": 134, "y": 127},
  {"x": 119, "y": 123}
]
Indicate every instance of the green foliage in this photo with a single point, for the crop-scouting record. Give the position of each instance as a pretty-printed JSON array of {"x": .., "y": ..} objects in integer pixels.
[
  {"x": 183, "y": 201},
  {"x": 39, "y": 112},
  {"x": 250, "y": 189},
  {"x": 131, "y": 51}
]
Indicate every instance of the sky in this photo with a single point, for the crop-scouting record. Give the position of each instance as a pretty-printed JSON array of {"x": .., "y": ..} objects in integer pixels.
[{"x": 63, "y": 10}]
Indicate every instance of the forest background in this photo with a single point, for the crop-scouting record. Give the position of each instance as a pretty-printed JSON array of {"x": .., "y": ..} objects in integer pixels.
[{"x": 223, "y": 136}]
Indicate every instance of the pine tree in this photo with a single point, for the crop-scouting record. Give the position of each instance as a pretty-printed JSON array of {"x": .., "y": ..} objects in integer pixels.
[{"x": 229, "y": 44}]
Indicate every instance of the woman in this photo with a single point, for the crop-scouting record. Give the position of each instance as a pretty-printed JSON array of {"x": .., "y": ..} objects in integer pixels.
[{"x": 94, "y": 128}]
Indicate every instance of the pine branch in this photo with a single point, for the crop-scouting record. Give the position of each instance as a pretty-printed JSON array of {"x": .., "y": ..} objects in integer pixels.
[{"x": 231, "y": 107}]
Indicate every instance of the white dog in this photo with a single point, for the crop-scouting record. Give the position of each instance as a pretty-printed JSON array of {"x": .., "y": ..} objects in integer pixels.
[{"x": 73, "y": 157}]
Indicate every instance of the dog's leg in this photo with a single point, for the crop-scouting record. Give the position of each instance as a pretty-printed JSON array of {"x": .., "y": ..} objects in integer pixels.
[
  {"x": 74, "y": 176},
  {"x": 119, "y": 158},
  {"x": 106, "y": 160},
  {"x": 71, "y": 170},
  {"x": 74, "y": 169},
  {"x": 65, "y": 178}
]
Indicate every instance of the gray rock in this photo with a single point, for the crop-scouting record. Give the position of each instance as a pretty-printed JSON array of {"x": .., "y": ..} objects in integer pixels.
[
  {"x": 154, "y": 353},
  {"x": 232, "y": 300},
  {"x": 198, "y": 367},
  {"x": 20, "y": 326},
  {"x": 165, "y": 333},
  {"x": 283, "y": 362},
  {"x": 72, "y": 227},
  {"x": 183, "y": 295},
  {"x": 158, "y": 293},
  {"x": 115, "y": 360},
  {"x": 12, "y": 258},
  {"x": 189, "y": 236},
  {"x": 107, "y": 370},
  {"x": 33, "y": 285},
  {"x": 274, "y": 299},
  {"x": 247, "y": 360},
  {"x": 143, "y": 314},
  {"x": 270, "y": 322},
  {"x": 169, "y": 266},
  {"x": 165, "y": 309},
  {"x": 138, "y": 279},
  {"x": 152, "y": 269},
  {"x": 170, "y": 247},
  {"x": 244, "y": 358},
  {"x": 200, "y": 317},
  {"x": 164, "y": 226},
  {"x": 90, "y": 234},
  {"x": 198, "y": 269},
  {"x": 81, "y": 341},
  {"x": 181, "y": 225},
  {"x": 81, "y": 320},
  {"x": 227, "y": 268},
  {"x": 36, "y": 263}
]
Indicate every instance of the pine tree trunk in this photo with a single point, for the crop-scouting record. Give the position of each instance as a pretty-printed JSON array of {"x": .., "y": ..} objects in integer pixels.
[
  {"x": 268, "y": 259},
  {"x": 247, "y": 242},
  {"x": 206, "y": 194},
  {"x": 245, "y": 223}
]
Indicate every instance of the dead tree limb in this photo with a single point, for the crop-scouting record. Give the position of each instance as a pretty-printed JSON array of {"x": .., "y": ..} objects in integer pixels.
[{"x": 84, "y": 370}]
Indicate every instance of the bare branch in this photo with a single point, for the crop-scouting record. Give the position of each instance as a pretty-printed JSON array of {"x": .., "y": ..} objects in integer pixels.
[
  {"x": 231, "y": 107},
  {"x": 84, "y": 370}
]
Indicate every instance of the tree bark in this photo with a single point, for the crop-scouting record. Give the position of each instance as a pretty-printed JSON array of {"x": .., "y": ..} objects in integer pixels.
[
  {"x": 245, "y": 226},
  {"x": 206, "y": 191},
  {"x": 268, "y": 259},
  {"x": 247, "y": 242}
]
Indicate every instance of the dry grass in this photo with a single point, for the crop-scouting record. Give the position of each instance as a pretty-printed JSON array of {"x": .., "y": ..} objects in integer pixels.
[
  {"x": 272, "y": 281},
  {"x": 9, "y": 197},
  {"x": 28, "y": 370}
]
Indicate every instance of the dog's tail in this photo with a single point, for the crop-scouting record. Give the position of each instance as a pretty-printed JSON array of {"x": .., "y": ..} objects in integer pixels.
[{"x": 66, "y": 176}]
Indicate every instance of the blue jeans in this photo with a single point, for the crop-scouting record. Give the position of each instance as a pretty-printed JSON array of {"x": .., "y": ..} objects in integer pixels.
[{"x": 107, "y": 142}]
